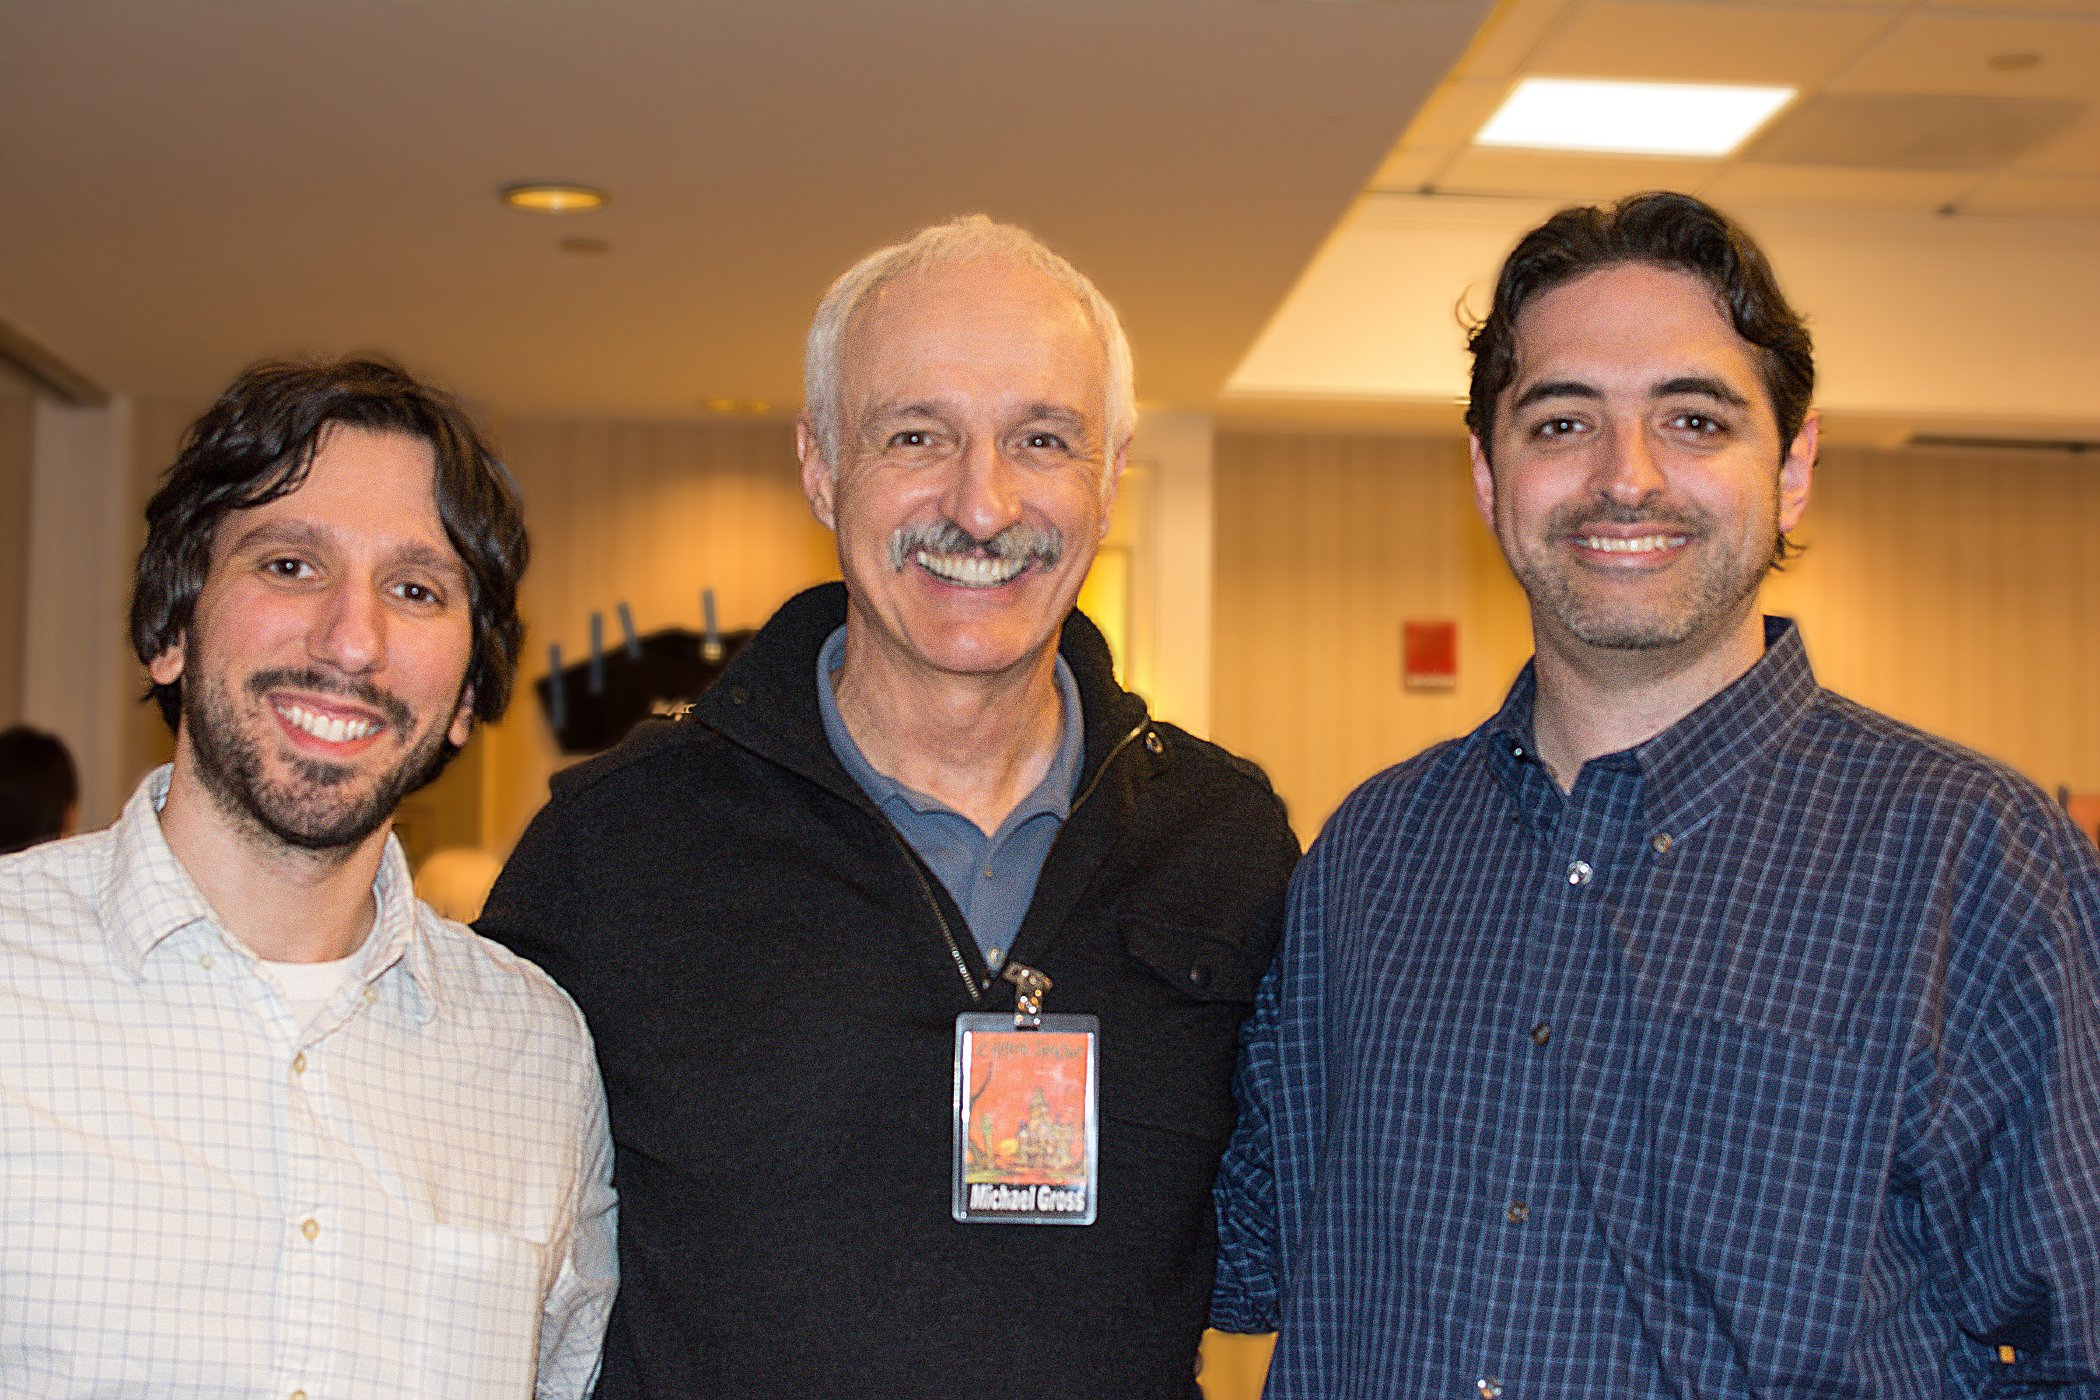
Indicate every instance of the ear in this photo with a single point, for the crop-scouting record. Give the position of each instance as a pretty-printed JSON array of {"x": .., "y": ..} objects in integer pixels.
[
  {"x": 166, "y": 668},
  {"x": 1111, "y": 482},
  {"x": 1483, "y": 480},
  {"x": 820, "y": 479},
  {"x": 1797, "y": 472},
  {"x": 462, "y": 726}
]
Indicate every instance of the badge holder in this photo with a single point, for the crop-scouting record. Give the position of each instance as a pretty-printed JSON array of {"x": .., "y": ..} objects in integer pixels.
[{"x": 1025, "y": 1112}]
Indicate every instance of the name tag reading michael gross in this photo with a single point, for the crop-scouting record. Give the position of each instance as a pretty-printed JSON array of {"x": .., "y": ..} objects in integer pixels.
[{"x": 1025, "y": 1120}]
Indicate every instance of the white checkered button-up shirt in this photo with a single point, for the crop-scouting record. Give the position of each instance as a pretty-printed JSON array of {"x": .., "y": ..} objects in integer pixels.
[{"x": 410, "y": 1196}]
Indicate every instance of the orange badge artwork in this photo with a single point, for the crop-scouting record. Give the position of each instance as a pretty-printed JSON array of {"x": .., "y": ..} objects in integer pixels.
[{"x": 1027, "y": 1109}]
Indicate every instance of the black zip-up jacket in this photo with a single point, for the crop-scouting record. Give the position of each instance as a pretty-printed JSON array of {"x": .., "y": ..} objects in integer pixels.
[{"x": 772, "y": 977}]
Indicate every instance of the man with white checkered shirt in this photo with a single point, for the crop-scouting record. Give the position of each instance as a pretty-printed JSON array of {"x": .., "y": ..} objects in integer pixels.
[{"x": 269, "y": 1126}]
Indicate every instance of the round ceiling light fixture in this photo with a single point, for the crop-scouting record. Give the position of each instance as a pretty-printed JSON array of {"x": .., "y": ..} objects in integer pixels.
[{"x": 550, "y": 197}]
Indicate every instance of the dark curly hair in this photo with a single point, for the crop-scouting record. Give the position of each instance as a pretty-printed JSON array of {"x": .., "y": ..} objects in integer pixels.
[
  {"x": 257, "y": 444},
  {"x": 1667, "y": 230}
]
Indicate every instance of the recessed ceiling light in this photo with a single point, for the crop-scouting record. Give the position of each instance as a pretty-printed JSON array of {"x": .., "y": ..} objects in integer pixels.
[
  {"x": 548, "y": 198},
  {"x": 1664, "y": 119},
  {"x": 2014, "y": 62}
]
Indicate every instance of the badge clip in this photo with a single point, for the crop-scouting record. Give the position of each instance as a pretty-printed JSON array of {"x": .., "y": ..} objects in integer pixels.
[{"x": 1029, "y": 986}]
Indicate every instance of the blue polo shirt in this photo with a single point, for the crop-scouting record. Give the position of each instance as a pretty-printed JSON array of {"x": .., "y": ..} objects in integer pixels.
[{"x": 992, "y": 879}]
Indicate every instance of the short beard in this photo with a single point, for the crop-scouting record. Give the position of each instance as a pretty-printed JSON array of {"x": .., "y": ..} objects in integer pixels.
[
  {"x": 1714, "y": 593},
  {"x": 312, "y": 813},
  {"x": 1039, "y": 543}
]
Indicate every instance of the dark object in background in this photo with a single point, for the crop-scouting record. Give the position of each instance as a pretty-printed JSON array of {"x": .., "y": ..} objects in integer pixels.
[
  {"x": 671, "y": 671},
  {"x": 39, "y": 791}
]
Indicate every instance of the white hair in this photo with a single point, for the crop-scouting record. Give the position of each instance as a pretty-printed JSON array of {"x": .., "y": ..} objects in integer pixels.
[{"x": 971, "y": 238}]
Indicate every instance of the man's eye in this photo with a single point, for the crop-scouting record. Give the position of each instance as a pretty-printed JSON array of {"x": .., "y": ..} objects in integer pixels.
[
  {"x": 1049, "y": 442},
  {"x": 911, "y": 437},
  {"x": 285, "y": 568},
  {"x": 1558, "y": 427},
  {"x": 1701, "y": 423},
  {"x": 417, "y": 592}
]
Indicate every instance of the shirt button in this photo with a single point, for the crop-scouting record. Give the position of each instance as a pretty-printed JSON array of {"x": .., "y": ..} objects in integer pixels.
[
  {"x": 310, "y": 1228},
  {"x": 992, "y": 956},
  {"x": 985, "y": 874},
  {"x": 298, "y": 1395},
  {"x": 299, "y": 1063},
  {"x": 1152, "y": 741},
  {"x": 1199, "y": 976},
  {"x": 1518, "y": 1212},
  {"x": 1541, "y": 1033},
  {"x": 1489, "y": 1388},
  {"x": 204, "y": 960},
  {"x": 1662, "y": 843},
  {"x": 1579, "y": 872}
]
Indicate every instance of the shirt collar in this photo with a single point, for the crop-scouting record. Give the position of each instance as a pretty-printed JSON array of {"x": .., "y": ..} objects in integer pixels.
[
  {"x": 1689, "y": 768},
  {"x": 1052, "y": 795},
  {"x": 150, "y": 896}
]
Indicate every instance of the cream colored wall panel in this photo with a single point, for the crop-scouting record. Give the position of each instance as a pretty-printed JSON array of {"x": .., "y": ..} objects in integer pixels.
[
  {"x": 1326, "y": 544},
  {"x": 1707, "y": 43},
  {"x": 2076, "y": 152}
]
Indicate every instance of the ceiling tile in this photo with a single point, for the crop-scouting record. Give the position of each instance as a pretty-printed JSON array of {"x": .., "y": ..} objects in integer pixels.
[
  {"x": 1409, "y": 168},
  {"x": 1707, "y": 43},
  {"x": 1507, "y": 39},
  {"x": 1932, "y": 131},
  {"x": 1487, "y": 170},
  {"x": 2016, "y": 193},
  {"x": 1456, "y": 110},
  {"x": 1951, "y": 53},
  {"x": 2076, "y": 152},
  {"x": 1746, "y": 183}
]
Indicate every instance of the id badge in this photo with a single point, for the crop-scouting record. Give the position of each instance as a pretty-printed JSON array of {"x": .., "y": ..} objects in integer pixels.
[{"x": 1025, "y": 1120}]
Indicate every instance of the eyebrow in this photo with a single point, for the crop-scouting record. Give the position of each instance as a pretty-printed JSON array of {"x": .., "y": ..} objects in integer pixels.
[
  {"x": 1698, "y": 384},
  {"x": 293, "y": 534}
]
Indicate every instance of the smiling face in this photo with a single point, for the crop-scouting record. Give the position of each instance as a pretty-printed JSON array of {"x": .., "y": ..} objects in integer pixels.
[
  {"x": 1636, "y": 481},
  {"x": 974, "y": 482},
  {"x": 323, "y": 668}
]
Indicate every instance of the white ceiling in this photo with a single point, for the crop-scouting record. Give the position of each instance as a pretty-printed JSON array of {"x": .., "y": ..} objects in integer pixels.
[
  {"x": 186, "y": 185},
  {"x": 1947, "y": 299}
]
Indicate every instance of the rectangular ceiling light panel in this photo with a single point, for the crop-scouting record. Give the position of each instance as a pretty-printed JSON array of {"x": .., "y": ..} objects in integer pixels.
[{"x": 1663, "y": 119}]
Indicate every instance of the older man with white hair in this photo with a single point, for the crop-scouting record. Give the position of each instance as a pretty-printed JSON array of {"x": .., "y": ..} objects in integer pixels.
[{"x": 916, "y": 954}]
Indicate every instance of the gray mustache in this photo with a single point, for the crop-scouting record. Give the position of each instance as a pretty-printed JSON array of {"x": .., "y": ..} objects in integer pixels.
[{"x": 1018, "y": 541}]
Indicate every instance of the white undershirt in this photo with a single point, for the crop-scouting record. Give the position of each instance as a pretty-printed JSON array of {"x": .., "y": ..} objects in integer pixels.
[{"x": 310, "y": 986}]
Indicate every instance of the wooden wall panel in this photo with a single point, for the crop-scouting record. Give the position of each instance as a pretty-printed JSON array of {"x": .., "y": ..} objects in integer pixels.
[
  {"x": 1956, "y": 590},
  {"x": 1960, "y": 591},
  {"x": 1326, "y": 543},
  {"x": 17, "y": 422},
  {"x": 650, "y": 514}
]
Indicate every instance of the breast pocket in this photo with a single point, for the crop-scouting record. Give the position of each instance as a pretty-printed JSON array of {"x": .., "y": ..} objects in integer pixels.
[
  {"x": 1168, "y": 1046},
  {"x": 482, "y": 1295}
]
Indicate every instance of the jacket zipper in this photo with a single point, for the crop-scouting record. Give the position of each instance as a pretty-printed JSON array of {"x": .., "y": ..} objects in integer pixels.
[{"x": 918, "y": 870}]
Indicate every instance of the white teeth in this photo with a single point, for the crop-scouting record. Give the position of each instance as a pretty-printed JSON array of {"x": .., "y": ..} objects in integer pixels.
[
  {"x": 970, "y": 570},
  {"x": 1640, "y": 544},
  {"x": 335, "y": 731}
]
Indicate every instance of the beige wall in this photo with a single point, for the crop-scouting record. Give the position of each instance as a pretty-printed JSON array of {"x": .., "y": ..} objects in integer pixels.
[{"x": 1957, "y": 590}]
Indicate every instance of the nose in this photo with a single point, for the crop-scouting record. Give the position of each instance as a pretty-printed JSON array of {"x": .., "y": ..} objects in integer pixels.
[
  {"x": 349, "y": 631},
  {"x": 985, "y": 496},
  {"x": 1629, "y": 473}
]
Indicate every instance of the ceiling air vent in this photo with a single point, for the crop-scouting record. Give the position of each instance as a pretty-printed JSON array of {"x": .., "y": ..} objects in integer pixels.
[{"x": 1914, "y": 132}]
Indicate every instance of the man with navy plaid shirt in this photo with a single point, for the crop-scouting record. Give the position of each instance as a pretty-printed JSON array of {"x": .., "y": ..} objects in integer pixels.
[{"x": 1686, "y": 1029}]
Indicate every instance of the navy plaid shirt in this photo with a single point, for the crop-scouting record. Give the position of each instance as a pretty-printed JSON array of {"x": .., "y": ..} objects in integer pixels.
[{"x": 1767, "y": 1062}]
